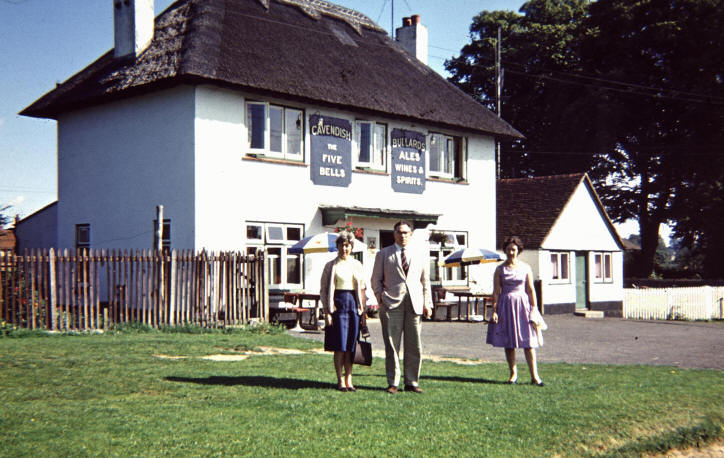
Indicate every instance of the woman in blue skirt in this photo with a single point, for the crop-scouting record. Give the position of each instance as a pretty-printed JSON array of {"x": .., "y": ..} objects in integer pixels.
[{"x": 342, "y": 292}]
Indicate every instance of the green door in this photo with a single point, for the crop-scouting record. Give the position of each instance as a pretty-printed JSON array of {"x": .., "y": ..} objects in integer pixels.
[{"x": 581, "y": 280}]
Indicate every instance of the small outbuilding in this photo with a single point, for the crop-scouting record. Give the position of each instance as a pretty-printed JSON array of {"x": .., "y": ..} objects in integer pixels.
[{"x": 570, "y": 242}]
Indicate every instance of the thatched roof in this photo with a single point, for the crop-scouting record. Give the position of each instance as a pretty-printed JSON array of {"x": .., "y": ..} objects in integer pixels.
[
  {"x": 308, "y": 51},
  {"x": 529, "y": 207}
]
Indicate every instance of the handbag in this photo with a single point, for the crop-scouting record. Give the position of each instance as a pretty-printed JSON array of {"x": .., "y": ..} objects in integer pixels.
[
  {"x": 363, "y": 353},
  {"x": 537, "y": 320}
]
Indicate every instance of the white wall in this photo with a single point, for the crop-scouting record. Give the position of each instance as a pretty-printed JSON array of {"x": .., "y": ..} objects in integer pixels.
[
  {"x": 117, "y": 161},
  {"x": 232, "y": 188},
  {"x": 38, "y": 230},
  {"x": 581, "y": 226}
]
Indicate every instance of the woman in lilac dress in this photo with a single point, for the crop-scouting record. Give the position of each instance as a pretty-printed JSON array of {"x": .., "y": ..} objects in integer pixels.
[{"x": 513, "y": 299}]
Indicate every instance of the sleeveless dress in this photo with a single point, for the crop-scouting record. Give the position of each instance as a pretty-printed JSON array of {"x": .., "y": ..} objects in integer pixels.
[{"x": 513, "y": 329}]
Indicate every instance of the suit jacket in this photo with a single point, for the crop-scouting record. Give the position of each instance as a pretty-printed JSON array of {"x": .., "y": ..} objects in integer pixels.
[
  {"x": 326, "y": 287},
  {"x": 390, "y": 284}
]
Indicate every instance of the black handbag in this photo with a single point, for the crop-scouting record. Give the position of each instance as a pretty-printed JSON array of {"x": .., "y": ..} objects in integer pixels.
[{"x": 363, "y": 353}]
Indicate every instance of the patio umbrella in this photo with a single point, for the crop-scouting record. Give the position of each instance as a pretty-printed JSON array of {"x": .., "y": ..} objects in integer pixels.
[
  {"x": 468, "y": 256},
  {"x": 320, "y": 243}
]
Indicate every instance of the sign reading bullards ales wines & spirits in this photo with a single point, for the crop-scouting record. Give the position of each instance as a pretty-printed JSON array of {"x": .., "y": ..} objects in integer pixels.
[
  {"x": 408, "y": 161},
  {"x": 330, "y": 151}
]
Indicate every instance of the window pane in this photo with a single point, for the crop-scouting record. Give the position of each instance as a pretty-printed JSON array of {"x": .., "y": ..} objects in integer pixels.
[
  {"x": 434, "y": 276},
  {"x": 607, "y": 266},
  {"x": 294, "y": 234},
  {"x": 435, "y": 152},
  {"x": 365, "y": 141},
  {"x": 256, "y": 118},
  {"x": 254, "y": 231},
  {"x": 275, "y": 267},
  {"x": 275, "y": 129},
  {"x": 274, "y": 233},
  {"x": 380, "y": 144},
  {"x": 554, "y": 266},
  {"x": 293, "y": 126},
  {"x": 598, "y": 268},
  {"x": 564, "y": 266},
  {"x": 449, "y": 153},
  {"x": 294, "y": 272}
]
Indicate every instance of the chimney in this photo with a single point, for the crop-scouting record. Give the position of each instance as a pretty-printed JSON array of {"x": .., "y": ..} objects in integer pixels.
[
  {"x": 133, "y": 22},
  {"x": 413, "y": 37}
]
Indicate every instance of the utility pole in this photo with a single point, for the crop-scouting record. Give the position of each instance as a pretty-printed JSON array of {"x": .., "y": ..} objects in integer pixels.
[{"x": 498, "y": 97}]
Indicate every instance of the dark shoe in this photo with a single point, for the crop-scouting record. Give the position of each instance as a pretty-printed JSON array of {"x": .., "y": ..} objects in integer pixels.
[
  {"x": 392, "y": 389},
  {"x": 512, "y": 382},
  {"x": 413, "y": 388},
  {"x": 342, "y": 388},
  {"x": 533, "y": 382},
  {"x": 352, "y": 389},
  {"x": 364, "y": 332}
]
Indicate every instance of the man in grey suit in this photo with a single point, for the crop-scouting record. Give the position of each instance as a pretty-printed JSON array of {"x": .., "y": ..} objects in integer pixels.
[{"x": 401, "y": 283}]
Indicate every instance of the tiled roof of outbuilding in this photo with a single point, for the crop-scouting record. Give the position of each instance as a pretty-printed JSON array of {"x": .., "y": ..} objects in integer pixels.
[
  {"x": 309, "y": 51},
  {"x": 529, "y": 207}
]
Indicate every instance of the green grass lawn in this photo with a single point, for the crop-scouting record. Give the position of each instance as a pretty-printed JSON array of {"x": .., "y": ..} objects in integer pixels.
[{"x": 109, "y": 395}]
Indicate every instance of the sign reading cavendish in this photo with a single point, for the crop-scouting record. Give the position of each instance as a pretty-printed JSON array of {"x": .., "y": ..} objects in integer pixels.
[
  {"x": 408, "y": 161},
  {"x": 330, "y": 151}
]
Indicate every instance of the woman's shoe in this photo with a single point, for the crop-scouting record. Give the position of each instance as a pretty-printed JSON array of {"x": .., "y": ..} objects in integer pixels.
[
  {"x": 342, "y": 388},
  {"x": 512, "y": 382},
  {"x": 352, "y": 389},
  {"x": 539, "y": 383}
]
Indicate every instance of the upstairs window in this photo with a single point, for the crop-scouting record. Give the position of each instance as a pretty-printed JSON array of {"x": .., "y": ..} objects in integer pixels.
[
  {"x": 82, "y": 236},
  {"x": 275, "y": 131},
  {"x": 559, "y": 267},
  {"x": 446, "y": 156},
  {"x": 371, "y": 145}
]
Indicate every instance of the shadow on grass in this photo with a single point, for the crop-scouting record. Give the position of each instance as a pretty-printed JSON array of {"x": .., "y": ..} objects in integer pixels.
[
  {"x": 444, "y": 378},
  {"x": 268, "y": 382},
  {"x": 254, "y": 380}
]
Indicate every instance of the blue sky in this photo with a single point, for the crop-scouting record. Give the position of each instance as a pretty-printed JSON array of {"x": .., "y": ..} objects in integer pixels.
[{"x": 47, "y": 41}]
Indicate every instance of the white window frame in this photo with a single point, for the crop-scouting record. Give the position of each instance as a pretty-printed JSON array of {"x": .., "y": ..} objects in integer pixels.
[
  {"x": 287, "y": 114},
  {"x": 560, "y": 262},
  {"x": 603, "y": 267},
  {"x": 278, "y": 264},
  {"x": 378, "y": 148},
  {"x": 450, "y": 156},
  {"x": 448, "y": 276}
]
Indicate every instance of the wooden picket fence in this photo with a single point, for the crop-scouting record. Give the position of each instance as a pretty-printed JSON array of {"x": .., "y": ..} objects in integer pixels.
[
  {"x": 687, "y": 303},
  {"x": 89, "y": 290}
]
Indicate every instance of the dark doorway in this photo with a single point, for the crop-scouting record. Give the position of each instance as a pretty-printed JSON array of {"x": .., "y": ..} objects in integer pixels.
[{"x": 387, "y": 238}]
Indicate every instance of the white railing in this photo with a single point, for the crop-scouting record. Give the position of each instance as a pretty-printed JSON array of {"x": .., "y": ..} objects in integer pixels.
[{"x": 698, "y": 303}]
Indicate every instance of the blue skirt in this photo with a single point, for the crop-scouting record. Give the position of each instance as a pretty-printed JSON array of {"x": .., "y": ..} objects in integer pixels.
[{"x": 342, "y": 335}]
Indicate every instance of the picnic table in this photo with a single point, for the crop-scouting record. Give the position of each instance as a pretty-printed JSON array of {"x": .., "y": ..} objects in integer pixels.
[{"x": 300, "y": 305}]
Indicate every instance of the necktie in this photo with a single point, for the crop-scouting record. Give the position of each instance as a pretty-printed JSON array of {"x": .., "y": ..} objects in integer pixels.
[{"x": 405, "y": 264}]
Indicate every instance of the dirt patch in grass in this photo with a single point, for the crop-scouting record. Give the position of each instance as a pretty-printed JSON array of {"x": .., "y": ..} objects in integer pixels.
[{"x": 240, "y": 356}]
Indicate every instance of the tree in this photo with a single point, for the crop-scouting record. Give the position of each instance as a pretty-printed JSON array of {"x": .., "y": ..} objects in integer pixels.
[
  {"x": 4, "y": 217},
  {"x": 538, "y": 47},
  {"x": 630, "y": 92},
  {"x": 669, "y": 53}
]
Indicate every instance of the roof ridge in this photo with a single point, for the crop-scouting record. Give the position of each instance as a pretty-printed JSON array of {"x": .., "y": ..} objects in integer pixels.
[
  {"x": 578, "y": 175},
  {"x": 317, "y": 8}
]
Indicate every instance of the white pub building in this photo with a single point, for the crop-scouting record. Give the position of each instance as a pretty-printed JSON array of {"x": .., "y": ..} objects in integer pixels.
[{"x": 258, "y": 122}]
